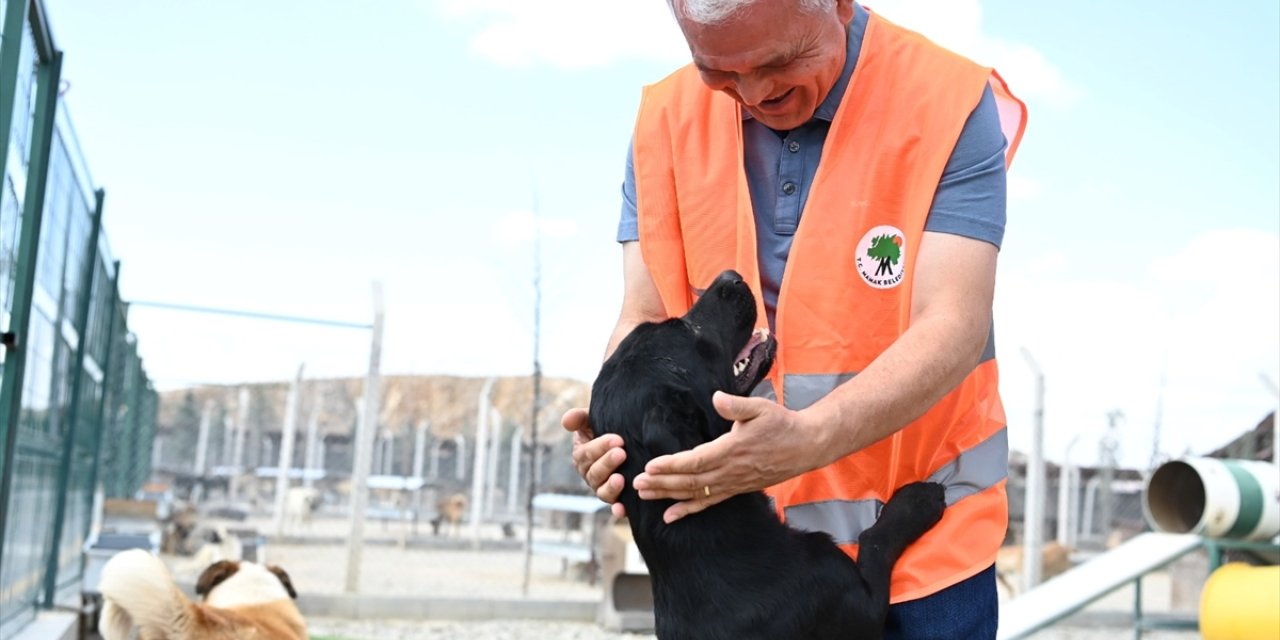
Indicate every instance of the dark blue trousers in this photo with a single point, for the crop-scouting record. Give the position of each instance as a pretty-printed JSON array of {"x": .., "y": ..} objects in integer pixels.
[{"x": 968, "y": 610}]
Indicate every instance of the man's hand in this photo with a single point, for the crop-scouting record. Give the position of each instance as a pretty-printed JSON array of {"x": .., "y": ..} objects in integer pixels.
[
  {"x": 767, "y": 444},
  {"x": 597, "y": 459}
]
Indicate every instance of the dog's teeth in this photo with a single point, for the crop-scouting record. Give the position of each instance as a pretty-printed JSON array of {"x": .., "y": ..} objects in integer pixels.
[{"x": 740, "y": 366}]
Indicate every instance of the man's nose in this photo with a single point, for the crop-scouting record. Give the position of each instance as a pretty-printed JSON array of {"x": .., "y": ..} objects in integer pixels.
[{"x": 753, "y": 90}]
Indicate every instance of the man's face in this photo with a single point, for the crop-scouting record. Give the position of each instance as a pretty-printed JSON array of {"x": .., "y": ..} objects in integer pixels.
[{"x": 777, "y": 60}]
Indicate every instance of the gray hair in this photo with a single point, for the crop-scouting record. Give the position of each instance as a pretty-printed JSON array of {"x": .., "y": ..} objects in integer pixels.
[{"x": 710, "y": 12}]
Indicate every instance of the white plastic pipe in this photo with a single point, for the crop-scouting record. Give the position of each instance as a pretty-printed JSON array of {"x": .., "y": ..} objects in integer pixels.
[{"x": 1215, "y": 498}]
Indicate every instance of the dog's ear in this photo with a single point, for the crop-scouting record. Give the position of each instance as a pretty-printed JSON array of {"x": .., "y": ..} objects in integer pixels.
[
  {"x": 284, "y": 580},
  {"x": 706, "y": 349},
  {"x": 675, "y": 425},
  {"x": 214, "y": 575}
]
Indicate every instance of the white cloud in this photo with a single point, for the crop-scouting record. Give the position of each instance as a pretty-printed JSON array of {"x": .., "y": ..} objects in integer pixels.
[
  {"x": 957, "y": 25},
  {"x": 518, "y": 228},
  {"x": 1021, "y": 188},
  {"x": 577, "y": 34},
  {"x": 570, "y": 34},
  {"x": 1192, "y": 334}
]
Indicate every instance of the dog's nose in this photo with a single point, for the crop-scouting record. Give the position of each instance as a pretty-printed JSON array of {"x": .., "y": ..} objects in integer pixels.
[{"x": 729, "y": 276}]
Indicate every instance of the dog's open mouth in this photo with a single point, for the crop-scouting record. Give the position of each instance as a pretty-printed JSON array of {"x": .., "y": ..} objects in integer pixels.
[{"x": 753, "y": 362}]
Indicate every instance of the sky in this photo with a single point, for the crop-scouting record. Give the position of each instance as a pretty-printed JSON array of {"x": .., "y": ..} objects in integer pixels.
[{"x": 280, "y": 157}]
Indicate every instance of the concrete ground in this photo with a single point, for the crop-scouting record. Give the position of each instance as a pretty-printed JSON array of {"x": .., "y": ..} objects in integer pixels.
[{"x": 399, "y": 564}]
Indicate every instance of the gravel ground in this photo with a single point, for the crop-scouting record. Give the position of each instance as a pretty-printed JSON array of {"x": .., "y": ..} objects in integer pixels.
[
  {"x": 334, "y": 629},
  {"x": 390, "y": 570}
]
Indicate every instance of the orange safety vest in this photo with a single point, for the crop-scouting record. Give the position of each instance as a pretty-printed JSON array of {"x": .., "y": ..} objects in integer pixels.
[{"x": 846, "y": 293}]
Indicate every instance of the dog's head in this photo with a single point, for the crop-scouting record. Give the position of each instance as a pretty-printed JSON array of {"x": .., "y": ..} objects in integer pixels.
[
  {"x": 232, "y": 583},
  {"x": 722, "y": 323},
  {"x": 655, "y": 390}
]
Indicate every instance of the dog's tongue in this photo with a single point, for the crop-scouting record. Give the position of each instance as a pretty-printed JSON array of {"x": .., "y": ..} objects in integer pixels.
[{"x": 757, "y": 338}]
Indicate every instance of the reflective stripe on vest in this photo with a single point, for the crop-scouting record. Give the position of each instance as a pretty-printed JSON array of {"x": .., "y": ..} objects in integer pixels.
[
  {"x": 975, "y": 470},
  {"x": 801, "y": 390}
]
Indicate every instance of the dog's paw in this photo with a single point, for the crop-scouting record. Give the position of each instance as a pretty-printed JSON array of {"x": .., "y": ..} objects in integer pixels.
[{"x": 918, "y": 506}]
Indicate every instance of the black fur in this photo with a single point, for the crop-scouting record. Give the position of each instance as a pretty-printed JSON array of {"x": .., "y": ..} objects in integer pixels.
[{"x": 735, "y": 571}]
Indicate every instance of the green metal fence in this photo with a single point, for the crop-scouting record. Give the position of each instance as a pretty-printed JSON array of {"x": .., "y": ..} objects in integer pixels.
[{"x": 77, "y": 410}]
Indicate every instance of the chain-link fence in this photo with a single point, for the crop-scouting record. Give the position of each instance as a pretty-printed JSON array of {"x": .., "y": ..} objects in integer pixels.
[{"x": 76, "y": 407}]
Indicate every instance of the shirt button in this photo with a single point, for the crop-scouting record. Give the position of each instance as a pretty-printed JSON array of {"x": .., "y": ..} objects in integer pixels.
[
  {"x": 788, "y": 188},
  {"x": 793, "y": 146}
]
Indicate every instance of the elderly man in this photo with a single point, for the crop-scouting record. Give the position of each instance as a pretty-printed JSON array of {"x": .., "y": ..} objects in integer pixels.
[{"x": 854, "y": 173}]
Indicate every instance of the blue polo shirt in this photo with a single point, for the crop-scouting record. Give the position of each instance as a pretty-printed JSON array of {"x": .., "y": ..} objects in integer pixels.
[{"x": 780, "y": 166}]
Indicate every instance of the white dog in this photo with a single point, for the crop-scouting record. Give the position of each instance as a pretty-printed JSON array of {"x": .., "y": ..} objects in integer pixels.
[
  {"x": 241, "y": 601},
  {"x": 299, "y": 504}
]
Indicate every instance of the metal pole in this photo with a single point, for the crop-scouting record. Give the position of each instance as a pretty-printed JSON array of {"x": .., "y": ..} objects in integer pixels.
[
  {"x": 287, "y": 435},
  {"x": 513, "y": 471},
  {"x": 15, "y": 23},
  {"x": 105, "y": 421},
  {"x": 389, "y": 453},
  {"x": 419, "y": 447},
  {"x": 202, "y": 451},
  {"x": 202, "y": 439},
  {"x": 477, "y": 468},
  {"x": 1066, "y": 497},
  {"x": 249, "y": 314},
  {"x": 365, "y": 430},
  {"x": 312, "y": 452},
  {"x": 73, "y": 407},
  {"x": 228, "y": 439},
  {"x": 237, "y": 449},
  {"x": 419, "y": 458},
  {"x": 495, "y": 451},
  {"x": 1109, "y": 443},
  {"x": 460, "y": 458},
  {"x": 1157, "y": 425},
  {"x": 17, "y": 333},
  {"x": 433, "y": 471},
  {"x": 537, "y": 397},
  {"x": 1033, "y": 517}
]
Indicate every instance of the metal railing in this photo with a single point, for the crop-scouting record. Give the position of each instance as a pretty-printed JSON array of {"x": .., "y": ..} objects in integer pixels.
[{"x": 76, "y": 408}]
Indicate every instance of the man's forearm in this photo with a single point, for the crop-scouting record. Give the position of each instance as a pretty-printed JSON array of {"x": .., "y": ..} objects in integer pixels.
[{"x": 640, "y": 299}]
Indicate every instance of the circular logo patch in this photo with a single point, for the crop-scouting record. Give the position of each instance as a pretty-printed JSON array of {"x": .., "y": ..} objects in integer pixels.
[{"x": 882, "y": 254}]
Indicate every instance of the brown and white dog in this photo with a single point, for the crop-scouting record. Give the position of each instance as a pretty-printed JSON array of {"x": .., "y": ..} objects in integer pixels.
[{"x": 239, "y": 600}]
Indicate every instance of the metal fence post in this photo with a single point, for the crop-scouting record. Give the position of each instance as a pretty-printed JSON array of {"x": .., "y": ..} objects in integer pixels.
[
  {"x": 10, "y": 56},
  {"x": 73, "y": 411},
  {"x": 47, "y": 78},
  {"x": 112, "y": 312},
  {"x": 365, "y": 430}
]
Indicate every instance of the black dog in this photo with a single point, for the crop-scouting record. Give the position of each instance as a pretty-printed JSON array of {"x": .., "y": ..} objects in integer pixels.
[{"x": 735, "y": 571}]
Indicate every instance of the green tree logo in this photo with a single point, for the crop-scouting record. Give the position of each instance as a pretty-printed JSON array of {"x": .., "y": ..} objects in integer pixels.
[{"x": 887, "y": 249}]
